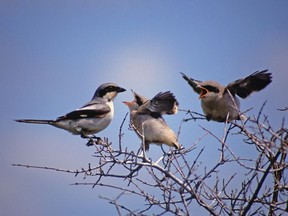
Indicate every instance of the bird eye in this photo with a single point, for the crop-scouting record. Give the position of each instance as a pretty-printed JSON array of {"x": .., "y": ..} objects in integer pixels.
[{"x": 110, "y": 89}]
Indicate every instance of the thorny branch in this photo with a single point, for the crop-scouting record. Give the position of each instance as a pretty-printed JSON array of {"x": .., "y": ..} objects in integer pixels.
[{"x": 176, "y": 184}]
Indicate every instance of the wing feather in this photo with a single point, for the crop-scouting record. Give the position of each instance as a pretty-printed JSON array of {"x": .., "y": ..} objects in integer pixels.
[
  {"x": 254, "y": 82},
  {"x": 162, "y": 103},
  {"x": 91, "y": 110}
]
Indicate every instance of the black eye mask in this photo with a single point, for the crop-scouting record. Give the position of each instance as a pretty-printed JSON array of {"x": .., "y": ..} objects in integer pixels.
[{"x": 211, "y": 88}]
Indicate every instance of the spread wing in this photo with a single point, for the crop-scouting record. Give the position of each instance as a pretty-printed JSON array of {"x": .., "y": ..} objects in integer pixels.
[
  {"x": 254, "y": 82},
  {"x": 162, "y": 103},
  {"x": 192, "y": 82},
  {"x": 91, "y": 110}
]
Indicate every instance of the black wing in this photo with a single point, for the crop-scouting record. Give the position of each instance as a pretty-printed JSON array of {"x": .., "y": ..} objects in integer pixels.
[
  {"x": 163, "y": 103},
  {"x": 192, "y": 82},
  {"x": 93, "y": 110},
  {"x": 255, "y": 82}
]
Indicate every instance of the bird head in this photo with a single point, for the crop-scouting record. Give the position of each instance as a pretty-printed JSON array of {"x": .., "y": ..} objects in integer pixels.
[
  {"x": 208, "y": 89},
  {"x": 203, "y": 92},
  {"x": 108, "y": 91},
  {"x": 137, "y": 102}
]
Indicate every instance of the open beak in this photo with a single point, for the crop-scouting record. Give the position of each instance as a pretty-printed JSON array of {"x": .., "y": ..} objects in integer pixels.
[
  {"x": 128, "y": 103},
  {"x": 131, "y": 105},
  {"x": 203, "y": 92}
]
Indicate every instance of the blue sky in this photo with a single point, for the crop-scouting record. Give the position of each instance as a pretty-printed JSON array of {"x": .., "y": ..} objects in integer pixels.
[{"x": 54, "y": 54}]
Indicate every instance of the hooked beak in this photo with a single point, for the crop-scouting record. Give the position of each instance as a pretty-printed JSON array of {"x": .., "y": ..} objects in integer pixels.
[
  {"x": 120, "y": 89},
  {"x": 203, "y": 92}
]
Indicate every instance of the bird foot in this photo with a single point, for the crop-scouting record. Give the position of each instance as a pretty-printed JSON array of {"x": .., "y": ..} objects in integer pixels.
[{"x": 93, "y": 140}]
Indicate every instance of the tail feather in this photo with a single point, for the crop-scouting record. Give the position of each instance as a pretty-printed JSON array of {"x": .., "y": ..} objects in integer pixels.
[
  {"x": 192, "y": 82},
  {"x": 34, "y": 121}
]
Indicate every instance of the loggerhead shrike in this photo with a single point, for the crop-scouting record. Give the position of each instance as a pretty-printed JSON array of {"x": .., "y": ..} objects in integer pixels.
[
  {"x": 219, "y": 102},
  {"x": 93, "y": 117},
  {"x": 147, "y": 121}
]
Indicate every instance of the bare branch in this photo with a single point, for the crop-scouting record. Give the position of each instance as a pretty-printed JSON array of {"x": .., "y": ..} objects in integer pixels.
[{"x": 174, "y": 183}]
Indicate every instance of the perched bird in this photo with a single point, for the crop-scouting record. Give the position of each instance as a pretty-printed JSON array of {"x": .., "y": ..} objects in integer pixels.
[
  {"x": 219, "y": 102},
  {"x": 147, "y": 121},
  {"x": 93, "y": 117}
]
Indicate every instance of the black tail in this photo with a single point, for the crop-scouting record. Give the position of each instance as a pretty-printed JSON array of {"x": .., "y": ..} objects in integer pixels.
[{"x": 34, "y": 121}]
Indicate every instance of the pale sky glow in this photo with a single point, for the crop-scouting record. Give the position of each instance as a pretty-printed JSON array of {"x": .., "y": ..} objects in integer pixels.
[{"x": 54, "y": 54}]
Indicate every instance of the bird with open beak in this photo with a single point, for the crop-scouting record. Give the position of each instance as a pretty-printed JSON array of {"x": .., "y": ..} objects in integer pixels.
[{"x": 219, "y": 103}]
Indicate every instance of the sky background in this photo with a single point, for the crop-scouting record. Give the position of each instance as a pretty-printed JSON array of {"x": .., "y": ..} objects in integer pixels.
[{"x": 54, "y": 54}]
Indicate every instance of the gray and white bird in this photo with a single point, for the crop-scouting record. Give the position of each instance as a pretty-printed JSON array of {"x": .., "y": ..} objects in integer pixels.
[
  {"x": 147, "y": 121},
  {"x": 90, "y": 119},
  {"x": 219, "y": 102}
]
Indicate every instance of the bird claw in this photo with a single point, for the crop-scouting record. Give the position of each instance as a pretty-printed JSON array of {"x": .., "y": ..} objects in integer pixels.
[
  {"x": 90, "y": 142},
  {"x": 93, "y": 140}
]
